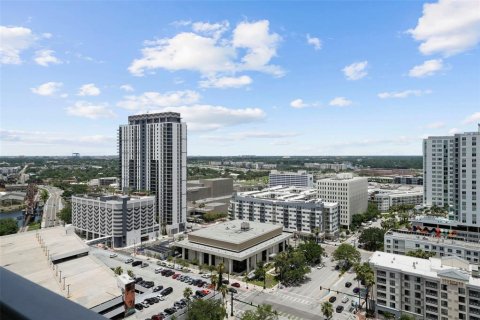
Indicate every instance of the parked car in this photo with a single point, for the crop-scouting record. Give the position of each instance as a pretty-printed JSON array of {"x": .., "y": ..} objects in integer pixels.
[
  {"x": 332, "y": 299},
  {"x": 136, "y": 263},
  {"x": 157, "y": 288},
  {"x": 356, "y": 290},
  {"x": 138, "y": 279},
  {"x": 225, "y": 281},
  {"x": 236, "y": 285},
  {"x": 144, "y": 265},
  {"x": 348, "y": 284},
  {"x": 129, "y": 260},
  {"x": 166, "y": 291},
  {"x": 345, "y": 299},
  {"x": 232, "y": 290},
  {"x": 138, "y": 306},
  {"x": 113, "y": 255},
  {"x": 169, "y": 311},
  {"x": 176, "y": 275},
  {"x": 339, "y": 309},
  {"x": 145, "y": 304},
  {"x": 158, "y": 270}
]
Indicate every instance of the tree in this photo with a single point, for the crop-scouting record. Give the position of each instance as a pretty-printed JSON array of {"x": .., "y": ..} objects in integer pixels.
[
  {"x": 220, "y": 270},
  {"x": 214, "y": 281},
  {"x": 313, "y": 252},
  {"x": 365, "y": 274},
  {"x": 262, "y": 312},
  {"x": 390, "y": 223},
  {"x": 327, "y": 309},
  {"x": 44, "y": 195},
  {"x": 347, "y": 254},
  {"x": 66, "y": 214},
  {"x": 419, "y": 253},
  {"x": 211, "y": 309},
  {"x": 223, "y": 290},
  {"x": 130, "y": 273},
  {"x": 316, "y": 231},
  {"x": 8, "y": 226},
  {"x": 260, "y": 271},
  {"x": 118, "y": 270},
  {"x": 372, "y": 239},
  {"x": 187, "y": 293},
  {"x": 406, "y": 317},
  {"x": 291, "y": 266}
]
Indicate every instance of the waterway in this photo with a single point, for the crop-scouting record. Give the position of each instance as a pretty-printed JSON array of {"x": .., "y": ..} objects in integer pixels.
[{"x": 18, "y": 216}]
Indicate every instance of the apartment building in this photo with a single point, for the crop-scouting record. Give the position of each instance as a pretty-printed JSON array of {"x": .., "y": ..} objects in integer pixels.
[
  {"x": 432, "y": 289},
  {"x": 127, "y": 220},
  {"x": 450, "y": 175},
  {"x": 153, "y": 157},
  {"x": 405, "y": 241},
  {"x": 295, "y": 179},
  {"x": 408, "y": 180},
  {"x": 296, "y": 209},
  {"x": 387, "y": 197},
  {"x": 351, "y": 194}
]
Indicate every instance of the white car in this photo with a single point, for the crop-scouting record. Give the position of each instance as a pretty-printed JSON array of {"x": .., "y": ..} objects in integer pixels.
[
  {"x": 205, "y": 276},
  {"x": 113, "y": 255},
  {"x": 161, "y": 298},
  {"x": 345, "y": 299},
  {"x": 129, "y": 260},
  {"x": 158, "y": 270},
  {"x": 145, "y": 304}
]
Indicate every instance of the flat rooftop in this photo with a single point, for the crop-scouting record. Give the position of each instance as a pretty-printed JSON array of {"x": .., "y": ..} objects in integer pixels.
[
  {"x": 426, "y": 238},
  {"x": 91, "y": 282}
]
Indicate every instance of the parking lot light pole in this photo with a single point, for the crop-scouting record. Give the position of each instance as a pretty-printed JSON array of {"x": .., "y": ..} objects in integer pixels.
[{"x": 231, "y": 305}]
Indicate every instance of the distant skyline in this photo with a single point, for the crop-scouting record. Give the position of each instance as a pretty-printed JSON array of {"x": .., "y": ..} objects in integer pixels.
[{"x": 260, "y": 78}]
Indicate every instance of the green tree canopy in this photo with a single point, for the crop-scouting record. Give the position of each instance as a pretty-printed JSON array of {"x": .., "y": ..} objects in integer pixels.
[
  {"x": 66, "y": 213},
  {"x": 365, "y": 274},
  {"x": 347, "y": 254},
  {"x": 8, "y": 226},
  {"x": 262, "y": 312},
  {"x": 291, "y": 266},
  {"x": 419, "y": 253},
  {"x": 211, "y": 309},
  {"x": 327, "y": 309},
  {"x": 372, "y": 238},
  {"x": 313, "y": 252}
]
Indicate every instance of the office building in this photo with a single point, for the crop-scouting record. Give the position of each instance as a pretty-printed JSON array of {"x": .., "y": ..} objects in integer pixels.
[
  {"x": 153, "y": 157},
  {"x": 295, "y": 209},
  {"x": 450, "y": 175},
  {"x": 408, "y": 180},
  {"x": 432, "y": 289},
  {"x": 238, "y": 245},
  {"x": 431, "y": 240},
  {"x": 386, "y": 196},
  {"x": 127, "y": 220},
  {"x": 209, "y": 188},
  {"x": 294, "y": 179},
  {"x": 351, "y": 194}
]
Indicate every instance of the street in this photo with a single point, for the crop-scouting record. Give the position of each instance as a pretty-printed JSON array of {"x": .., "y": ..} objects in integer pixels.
[{"x": 52, "y": 207}]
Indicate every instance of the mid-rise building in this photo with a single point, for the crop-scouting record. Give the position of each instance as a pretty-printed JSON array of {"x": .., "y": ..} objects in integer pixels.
[
  {"x": 450, "y": 175},
  {"x": 294, "y": 179},
  {"x": 127, "y": 220},
  {"x": 153, "y": 157},
  {"x": 209, "y": 188},
  {"x": 436, "y": 289},
  {"x": 387, "y": 196},
  {"x": 296, "y": 209},
  {"x": 408, "y": 180},
  {"x": 351, "y": 194}
]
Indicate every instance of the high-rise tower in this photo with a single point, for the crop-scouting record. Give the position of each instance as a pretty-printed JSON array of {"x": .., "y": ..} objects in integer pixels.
[{"x": 153, "y": 157}]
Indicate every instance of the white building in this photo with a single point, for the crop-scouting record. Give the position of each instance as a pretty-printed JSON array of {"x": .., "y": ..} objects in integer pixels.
[
  {"x": 153, "y": 157},
  {"x": 405, "y": 241},
  {"x": 351, "y": 194},
  {"x": 295, "y": 179},
  {"x": 386, "y": 196},
  {"x": 127, "y": 220},
  {"x": 296, "y": 209},
  {"x": 436, "y": 289},
  {"x": 450, "y": 175}
]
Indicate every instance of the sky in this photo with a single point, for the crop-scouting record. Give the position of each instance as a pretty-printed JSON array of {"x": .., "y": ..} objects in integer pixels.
[{"x": 257, "y": 78}]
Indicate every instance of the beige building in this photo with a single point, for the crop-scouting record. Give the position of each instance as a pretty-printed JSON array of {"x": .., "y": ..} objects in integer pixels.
[
  {"x": 433, "y": 289},
  {"x": 351, "y": 194},
  {"x": 238, "y": 245}
]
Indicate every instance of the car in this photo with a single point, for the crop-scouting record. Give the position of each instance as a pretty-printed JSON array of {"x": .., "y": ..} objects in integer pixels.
[
  {"x": 320, "y": 266},
  {"x": 348, "y": 284},
  {"x": 129, "y": 260},
  {"x": 138, "y": 280},
  {"x": 332, "y": 299},
  {"x": 236, "y": 285},
  {"x": 144, "y": 265},
  {"x": 158, "y": 270},
  {"x": 176, "y": 275},
  {"x": 169, "y": 311},
  {"x": 233, "y": 290},
  {"x": 356, "y": 290},
  {"x": 337, "y": 267},
  {"x": 166, "y": 291},
  {"x": 362, "y": 282},
  {"x": 345, "y": 299},
  {"x": 157, "y": 288},
  {"x": 205, "y": 276},
  {"x": 145, "y": 304},
  {"x": 138, "y": 306},
  {"x": 225, "y": 281},
  {"x": 339, "y": 309},
  {"x": 136, "y": 263},
  {"x": 113, "y": 255},
  {"x": 161, "y": 298}
]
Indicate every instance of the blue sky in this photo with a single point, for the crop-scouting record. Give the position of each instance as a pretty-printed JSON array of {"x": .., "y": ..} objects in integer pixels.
[{"x": 264, "y": 78}]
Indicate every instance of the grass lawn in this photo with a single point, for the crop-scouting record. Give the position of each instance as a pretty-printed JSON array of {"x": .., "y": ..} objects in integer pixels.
[
  {"x": 271, "y": 281},
  {"x": 34, "y": 226}
]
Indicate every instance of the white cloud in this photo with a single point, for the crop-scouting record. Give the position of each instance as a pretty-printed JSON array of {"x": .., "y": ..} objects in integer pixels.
[
  {"x": 435, "y": 125},
  {"x": 127, "y": 88},
  {"x": 89, "y": 90},
  {"x": 298, "y": 104},
  {"x": 356, "y": 70},
  {"x": 47, "y": 89},
  {"x": 46, "y": 57},
  {"x": 340, "y": 102},
  {"x": 226, "y": 82},
  {"x": 403, "y": 94},
  {"x": 448, "y": 27},
  {"x": 315, "y": 42},
  {"x": 14, "y": 40},
  {"x": 428, "y": 68},
  {"x": 151, "y": 100},
  {"x": 88, "y": 110},
  {"x": 209, "y": 53},
  {"x": 475, "y": 117},
  {"x": 250, "y": 135},
  {"x": 53, "y": 138}
]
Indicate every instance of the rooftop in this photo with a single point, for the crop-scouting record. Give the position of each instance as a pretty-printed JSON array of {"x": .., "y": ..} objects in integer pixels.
[
  {"x": 410, "y": 235},
  {"x": 284, "y": 193}
]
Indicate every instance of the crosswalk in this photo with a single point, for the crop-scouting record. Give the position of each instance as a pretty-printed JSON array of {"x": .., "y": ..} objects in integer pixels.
[
  {"x": 281, "y": 315},
  {"x": 296, "y": 298}
]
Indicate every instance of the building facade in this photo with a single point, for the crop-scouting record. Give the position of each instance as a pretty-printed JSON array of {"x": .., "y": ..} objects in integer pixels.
[
  {"x": 450, "y": 175},
  {"x": 294, "y": 179},
  {"x": 351, "y": 194},
  {"x": 153, "y": 157},
  {"x": 127, "y": 220},
  {"x": 296, "y": 209},
  {"x": 433, "y": 289},
  {"x": 385, "y": 199},
  {"x": 408, "y": 180}
]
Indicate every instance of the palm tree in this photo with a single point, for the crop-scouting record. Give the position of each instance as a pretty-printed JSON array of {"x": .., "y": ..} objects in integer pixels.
[
  {"x": 187, "y": 292},
  {"x": 220, "y": 269},
  {"x": 223, "y": 290},
  {"x": 214, "y": 281},
  {"x": 118, "y": 270},
  {"x": 327, "y": 309},
  {"x": 316, "y": 231},
  {"x": 130, "y": 273},
  {"x": 365, "y": 274}
]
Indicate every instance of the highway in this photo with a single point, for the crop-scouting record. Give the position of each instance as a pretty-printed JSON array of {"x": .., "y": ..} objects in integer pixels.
[{"x": 52, "y": 207}]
